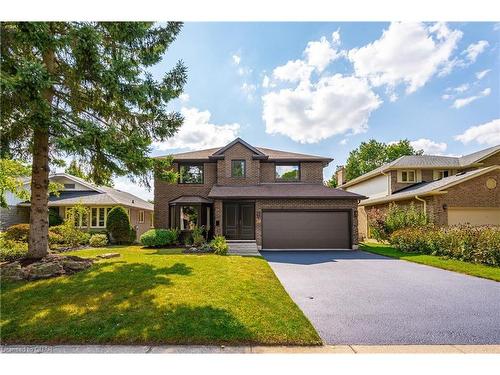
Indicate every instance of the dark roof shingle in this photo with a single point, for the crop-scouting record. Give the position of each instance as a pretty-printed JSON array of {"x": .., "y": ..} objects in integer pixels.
[{"x": 281, "y": 190}]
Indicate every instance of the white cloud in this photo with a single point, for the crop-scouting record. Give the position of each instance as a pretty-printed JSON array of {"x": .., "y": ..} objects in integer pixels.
[
  {"x": 446, "y": 96},
  {"x": 480, "y": 75},
  {"x": 236, "y": 59},
  {"x": 248, "y": 89},
  {"x": 320, "y": 53},
  {"x": 488, "y": 133},
  {"x": 244, "y": 71},
  {"x": 293, "y": 71},
  {"x": 315, "y": 111},
  {"x": 462, "y": 102},
  {"x": 430, "y": 147},
  {"x": 197, "y": 132},
  {"x": 265, "y": 82},
  {"x": 462, "y": 88},
  {"x": 474, "y": 50},
  {"x": 184, "y": 97},
  {"x": 343, "y": 142},
  {"x": 406, "y": 53}
]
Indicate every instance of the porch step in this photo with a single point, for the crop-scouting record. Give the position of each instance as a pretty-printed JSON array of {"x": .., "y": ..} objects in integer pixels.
[{"x": 243, "y": 247}]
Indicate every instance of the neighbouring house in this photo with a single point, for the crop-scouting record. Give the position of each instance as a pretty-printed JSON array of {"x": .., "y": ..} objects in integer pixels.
[
  {"x": 273, "y": 198},
  {"x": 98, "y": 199},
  {"x": 451, "y": 190}
]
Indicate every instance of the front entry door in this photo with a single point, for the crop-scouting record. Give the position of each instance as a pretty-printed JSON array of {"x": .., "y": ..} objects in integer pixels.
[{"x": 239, "y": 221}]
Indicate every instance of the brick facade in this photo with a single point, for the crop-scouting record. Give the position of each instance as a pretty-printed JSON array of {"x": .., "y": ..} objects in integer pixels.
[
  {"x": 257, "y": 171},
  {"x": 165, "y": 192},
  {"x": 238, "y": 152}
]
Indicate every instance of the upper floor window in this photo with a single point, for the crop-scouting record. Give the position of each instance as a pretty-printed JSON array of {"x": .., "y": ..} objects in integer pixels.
[
  {"x": 287, "y": 172},
  {"x": 69, "y": 186},
  {"x": 408, "y": 176},
  {"x": 191, "y": 173},
  {"x": 238, "y": 168},
  {"x": 438, "y": 175}
]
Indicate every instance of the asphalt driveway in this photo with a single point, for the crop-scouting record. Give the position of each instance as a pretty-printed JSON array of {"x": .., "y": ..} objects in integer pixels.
[{"x": 353, "y": 297}]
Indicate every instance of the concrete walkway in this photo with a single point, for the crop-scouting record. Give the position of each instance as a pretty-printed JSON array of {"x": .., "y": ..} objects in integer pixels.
[{"x": 186, "y": 349}]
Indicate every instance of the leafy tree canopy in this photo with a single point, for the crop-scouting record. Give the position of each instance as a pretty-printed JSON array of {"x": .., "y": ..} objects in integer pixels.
[
  {"x": 13, "y": 176},
  {"x": 372, "y": 154}
]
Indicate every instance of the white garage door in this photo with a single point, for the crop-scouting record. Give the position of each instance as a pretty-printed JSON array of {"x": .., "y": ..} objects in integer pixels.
[{"x": 473, "y": 216}]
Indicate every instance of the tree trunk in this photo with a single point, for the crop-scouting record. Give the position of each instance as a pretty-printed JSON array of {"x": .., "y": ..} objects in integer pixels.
[
  {"x": 39, "y": 218},
  {"x": 38, "y": 245}
]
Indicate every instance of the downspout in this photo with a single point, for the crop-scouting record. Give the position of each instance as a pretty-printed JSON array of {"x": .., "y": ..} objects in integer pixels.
[{"x": 424, "y": 202}]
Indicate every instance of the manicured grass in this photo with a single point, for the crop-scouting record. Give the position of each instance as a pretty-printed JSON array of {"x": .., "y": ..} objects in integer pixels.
[
  {"x": 479, "y": 270},
  {"x": 156, "y": 297}
]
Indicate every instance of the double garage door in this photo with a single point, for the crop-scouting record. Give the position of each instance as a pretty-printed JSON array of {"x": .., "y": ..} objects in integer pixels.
[{"x": 307, "y": 230}]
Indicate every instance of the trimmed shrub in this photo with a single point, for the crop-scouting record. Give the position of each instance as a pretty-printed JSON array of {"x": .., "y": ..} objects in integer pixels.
[
  {"x": 464, "y": 242},
  {"x": 98, "y": 240},
  {"x": 160, "y": 237},
  {"x": 18, "y": 232},
  {"x": 12, "y": 250},
  {"x": 69, "y": 234},
  {"x": 54, "y": 218},
  {"x": 219, "y": 245},
  {"x": 118, "y": 226}
]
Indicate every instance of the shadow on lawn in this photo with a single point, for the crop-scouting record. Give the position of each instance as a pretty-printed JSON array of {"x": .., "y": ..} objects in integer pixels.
[{"x": 112, "y": 303}]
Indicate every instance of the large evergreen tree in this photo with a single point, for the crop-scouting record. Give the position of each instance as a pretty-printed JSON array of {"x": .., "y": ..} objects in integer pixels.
[
  {"x": 84, "y": 172},
  {"x": 372, "y": 154},
  {"x": 84, "y": 89}
]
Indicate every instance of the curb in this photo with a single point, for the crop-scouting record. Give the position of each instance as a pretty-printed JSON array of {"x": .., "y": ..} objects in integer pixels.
[{"x": 209, "y": 349}]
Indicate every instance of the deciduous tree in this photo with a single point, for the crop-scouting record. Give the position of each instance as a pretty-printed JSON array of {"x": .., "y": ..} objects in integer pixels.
[{"x": 372, "y": 154}]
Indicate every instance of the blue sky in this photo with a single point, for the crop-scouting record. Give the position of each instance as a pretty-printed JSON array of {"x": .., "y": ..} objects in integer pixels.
[{"x": 322, "y": 88}]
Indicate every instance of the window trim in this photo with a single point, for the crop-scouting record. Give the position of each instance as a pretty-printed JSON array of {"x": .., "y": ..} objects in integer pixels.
[
  {"x": 141, "y": 213},
  {"x": 152, "y": 224},
  {"x": 276, "y": 165},
  {"x": 407, "y": 171},
  {"x": 244, "y": 168},
  {"x": 98, "y": 211},
  {"x": 186, "y": 164}
]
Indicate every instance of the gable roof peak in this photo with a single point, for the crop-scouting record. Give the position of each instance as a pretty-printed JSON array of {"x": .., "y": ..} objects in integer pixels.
[{"x": 256, "y": 152}]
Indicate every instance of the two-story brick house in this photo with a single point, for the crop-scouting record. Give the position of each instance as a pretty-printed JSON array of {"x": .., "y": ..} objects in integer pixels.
[
  {"x": 246, "y": 193},
  {"x": 452, "y": 190}
]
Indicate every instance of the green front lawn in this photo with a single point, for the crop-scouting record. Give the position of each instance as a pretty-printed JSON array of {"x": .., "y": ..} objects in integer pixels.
[
  {"x": 479, "y": 270},
  {"x": 156, "y": 297}
]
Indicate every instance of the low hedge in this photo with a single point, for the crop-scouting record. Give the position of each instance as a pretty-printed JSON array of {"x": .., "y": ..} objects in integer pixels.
[
  {"x": 463, "y": 242},
  {"x": 160, "y": 237},
  {"x": 98, "y": 240}
]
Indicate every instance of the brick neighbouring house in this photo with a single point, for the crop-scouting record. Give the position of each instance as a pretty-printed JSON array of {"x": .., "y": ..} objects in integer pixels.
[
  {"x": 246, "y": 193},
  {"x": 452, "y": 190}
]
